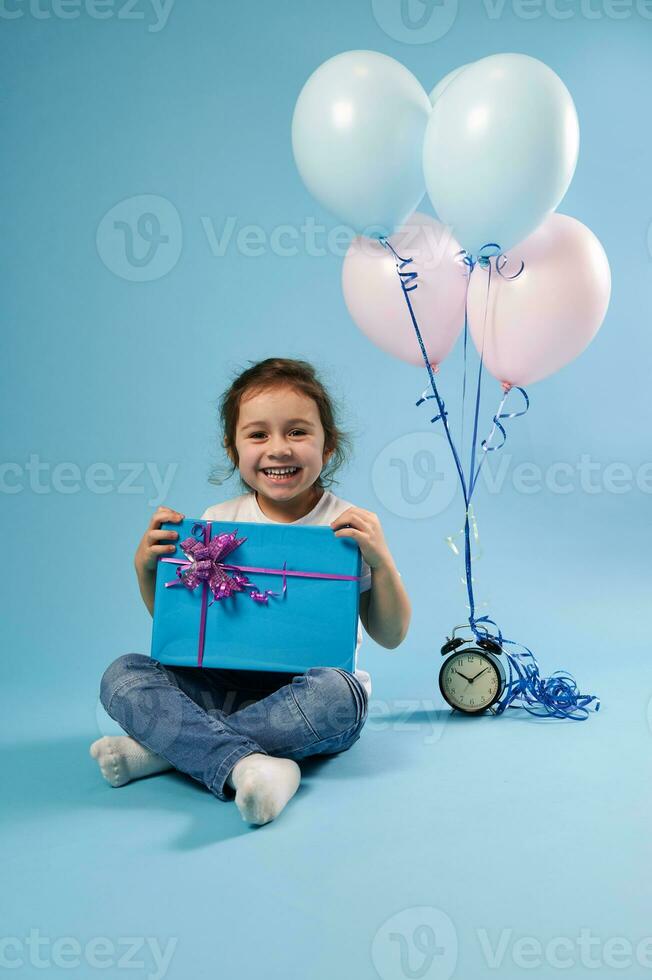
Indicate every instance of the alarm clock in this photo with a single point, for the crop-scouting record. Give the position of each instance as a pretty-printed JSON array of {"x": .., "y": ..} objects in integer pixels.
[{"x": 472, "y": 677}]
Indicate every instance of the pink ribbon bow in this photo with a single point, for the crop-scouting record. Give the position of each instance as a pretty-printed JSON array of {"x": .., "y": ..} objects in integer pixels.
[{"x": 206, "y": 564}]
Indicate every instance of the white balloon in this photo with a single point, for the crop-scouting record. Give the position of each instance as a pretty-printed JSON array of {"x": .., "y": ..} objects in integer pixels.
[
  {"x": 357, "y": 137},
  {"x": 500, "y": 150}
]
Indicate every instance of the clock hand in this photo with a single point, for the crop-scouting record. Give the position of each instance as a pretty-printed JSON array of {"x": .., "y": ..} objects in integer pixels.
[
  {"x": 470, "y": 679},
  {"x": 477, "y": 675}
]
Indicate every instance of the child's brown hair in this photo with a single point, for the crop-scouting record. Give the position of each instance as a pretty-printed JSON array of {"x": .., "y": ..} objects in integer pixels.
[{"x": 276, "y": 372}]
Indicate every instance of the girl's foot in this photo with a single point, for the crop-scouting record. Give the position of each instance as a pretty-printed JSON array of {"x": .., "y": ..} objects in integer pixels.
[
  {"x": 121, "y": 759},
  {"x": 263, "y": 785}
]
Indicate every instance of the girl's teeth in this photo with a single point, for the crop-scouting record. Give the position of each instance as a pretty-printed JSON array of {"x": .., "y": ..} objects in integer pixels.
[{"x": 281, "y": 476}]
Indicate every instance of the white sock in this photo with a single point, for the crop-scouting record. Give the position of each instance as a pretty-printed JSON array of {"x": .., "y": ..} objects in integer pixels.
[
  {"x": 121, "y": 759},
  {"x": 263, "y": 785}
]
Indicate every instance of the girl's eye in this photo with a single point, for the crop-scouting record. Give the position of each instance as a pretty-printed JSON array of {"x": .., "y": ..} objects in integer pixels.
[{"x": 254, "y": 434}]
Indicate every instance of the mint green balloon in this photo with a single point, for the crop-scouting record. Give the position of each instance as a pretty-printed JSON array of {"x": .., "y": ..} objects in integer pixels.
[
  {"x": 500, "y": 150},
  {"x": 357, "y": 137}
]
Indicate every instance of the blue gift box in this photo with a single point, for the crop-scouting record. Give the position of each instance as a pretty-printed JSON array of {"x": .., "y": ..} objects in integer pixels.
[{"x": 313, "y": 623}]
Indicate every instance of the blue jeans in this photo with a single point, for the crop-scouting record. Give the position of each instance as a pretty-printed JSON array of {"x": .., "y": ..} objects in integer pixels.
[{"x": 203, "y": 720}]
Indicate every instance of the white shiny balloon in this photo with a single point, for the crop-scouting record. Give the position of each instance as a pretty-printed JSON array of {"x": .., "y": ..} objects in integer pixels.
[
  {"x": 500, "y": 150},
  {"x": 357, "y": 137}
]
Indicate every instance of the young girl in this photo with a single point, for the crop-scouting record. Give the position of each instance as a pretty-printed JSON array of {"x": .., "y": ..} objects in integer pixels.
[{"x": 240, "y": 732}]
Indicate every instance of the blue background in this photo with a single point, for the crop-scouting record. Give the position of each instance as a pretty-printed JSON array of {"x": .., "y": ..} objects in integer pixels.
[{"x": 541, "y": 828}]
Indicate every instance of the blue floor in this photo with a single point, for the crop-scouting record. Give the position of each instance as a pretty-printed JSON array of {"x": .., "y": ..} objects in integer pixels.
[{"x": 438, "y": 846}]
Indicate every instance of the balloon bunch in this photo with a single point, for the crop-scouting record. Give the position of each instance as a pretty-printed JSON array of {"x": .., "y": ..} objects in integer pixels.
[{"x": 495, "y": 145}]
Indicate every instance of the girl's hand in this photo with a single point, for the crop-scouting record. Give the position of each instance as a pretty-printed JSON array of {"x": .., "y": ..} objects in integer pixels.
[
  {"x": 152, "y": 545},
  {"x": 366, "y": 530}
]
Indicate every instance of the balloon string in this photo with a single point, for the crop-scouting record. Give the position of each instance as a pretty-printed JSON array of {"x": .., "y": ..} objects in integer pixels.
[
  {"x": 474, "y": 440},
  {"x": 408, "y": 284},
  {"x": 486, "y": 443},
  {"x": 558, "y": 695},
  {"x": 409, "y": 277},
  {"x": 466, "y": 335}
]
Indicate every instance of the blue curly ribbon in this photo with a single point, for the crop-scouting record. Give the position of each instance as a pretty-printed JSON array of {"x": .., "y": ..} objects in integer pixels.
[
  {"x": 556, "y": 696},
  {"x": 486, "y": 443}
]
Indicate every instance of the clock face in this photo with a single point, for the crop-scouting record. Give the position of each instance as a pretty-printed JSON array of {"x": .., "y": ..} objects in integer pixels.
[{"x": 470, "y": 681}]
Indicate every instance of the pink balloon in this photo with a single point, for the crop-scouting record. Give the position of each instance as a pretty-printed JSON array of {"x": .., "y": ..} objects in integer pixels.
[
  {"x": 374, "y": 298},
  {"x": 541, "y": 320}
]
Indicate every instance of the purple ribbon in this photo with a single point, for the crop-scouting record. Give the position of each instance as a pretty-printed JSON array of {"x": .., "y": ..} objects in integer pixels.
[{"x": 205, "y": 566}]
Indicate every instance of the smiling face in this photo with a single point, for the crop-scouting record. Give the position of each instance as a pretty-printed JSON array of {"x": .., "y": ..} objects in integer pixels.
[{"x": 280, "y": 428}]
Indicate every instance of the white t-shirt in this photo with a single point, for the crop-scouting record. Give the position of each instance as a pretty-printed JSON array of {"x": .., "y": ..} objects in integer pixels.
[{"x": 328, "y": 507}]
